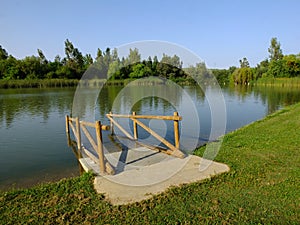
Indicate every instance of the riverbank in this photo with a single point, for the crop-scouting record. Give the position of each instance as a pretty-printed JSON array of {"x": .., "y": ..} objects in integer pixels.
[
  {"x": 279, "y": 82},
  {"x": 261, "y": 187},
  {"x": 48, "y": 83}
]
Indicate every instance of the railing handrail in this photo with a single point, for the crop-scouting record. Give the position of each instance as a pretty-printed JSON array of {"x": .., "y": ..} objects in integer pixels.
[
  {"x": 97, "y": 145},
  {"x": 157, "y": 117},
  {"x": 174, "y": 148}
]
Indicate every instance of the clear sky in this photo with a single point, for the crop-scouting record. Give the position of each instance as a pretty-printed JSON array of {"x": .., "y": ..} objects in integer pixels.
[{"x": 219, "y": 31}]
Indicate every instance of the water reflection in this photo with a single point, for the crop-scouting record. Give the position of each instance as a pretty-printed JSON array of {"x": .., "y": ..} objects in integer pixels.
[
  {"x": 273, "y": 97},
  {"x": 32, "y": 132},
  {"x": 15, "y": 103}
]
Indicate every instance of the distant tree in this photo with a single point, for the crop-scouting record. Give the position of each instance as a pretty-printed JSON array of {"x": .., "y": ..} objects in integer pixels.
[
  {"x": 222, "y": 75},
  {"x": 244, "y": 63},
  {"x": 42, "y": 57},
  {"x": 11, "y": 69},
  {"x": 3, "y": 53},
  {"x": 88, "y": 60},
  {"x": 74, "y": 60},
  {"x": 99, "y": 54},
  {"x": 261, "y": 69},
  {"x": 174, "y": 60},
  {"x": 198, "y": 73},
  {"x": 133, "y": 57},
  {"x": 275, "y": 50},
  {"x": 242, "y": 75},
  {"x": 114, "y": 70}
]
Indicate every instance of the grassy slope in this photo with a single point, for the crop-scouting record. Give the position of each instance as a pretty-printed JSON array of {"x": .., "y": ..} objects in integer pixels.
[{"x": 262, "y": 187}]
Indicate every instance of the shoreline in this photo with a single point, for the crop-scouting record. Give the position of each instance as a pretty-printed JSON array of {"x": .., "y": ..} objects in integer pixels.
[{"x": 261, "y": 187}]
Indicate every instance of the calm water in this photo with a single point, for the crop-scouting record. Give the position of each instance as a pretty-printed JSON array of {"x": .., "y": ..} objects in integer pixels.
[{"x": 33, "y": 143}]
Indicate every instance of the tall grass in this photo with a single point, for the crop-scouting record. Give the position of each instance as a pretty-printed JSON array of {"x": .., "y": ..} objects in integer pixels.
[
  {"x": 280, "y": 82},
  {"x": 45, "y": 83},
  {"x": 38, "y": 83}
]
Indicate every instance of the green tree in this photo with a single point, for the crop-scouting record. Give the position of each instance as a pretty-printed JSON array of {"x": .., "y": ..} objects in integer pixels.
[
  {"x": 173, "y": 61},
  {"x": 3, "y": 53},
  {"x": 88, "y": 60},
  {"x": 275, "y": 50},
  {"x": 74, "y": 60},
  {"x": 242, "y": 75},
  {"x": 199, "y": 72},
  {"x": 10, "y": 69},
  {"x": 133, "y": 57},
  {"x": 42, "y": 57},
  {"x": 244, "y": 62},
  {"x": 31, "y": 66},
  {"x": 261, "y": 69}
]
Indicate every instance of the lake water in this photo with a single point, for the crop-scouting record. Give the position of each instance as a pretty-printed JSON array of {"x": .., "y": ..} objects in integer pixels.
[{"x": 33, "y": 144}]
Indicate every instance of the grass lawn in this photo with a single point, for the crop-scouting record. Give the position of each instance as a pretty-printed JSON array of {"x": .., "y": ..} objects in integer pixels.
[{"x": 261, "y": 188}]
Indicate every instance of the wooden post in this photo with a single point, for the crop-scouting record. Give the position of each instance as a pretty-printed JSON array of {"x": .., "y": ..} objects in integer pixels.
[
  {"x": 78, "y": 134},
  {"x": 135, "y": 132},
  {"x": 67, "y": 124},
  {"x": 176, "y": 131},
  {"x": 111, "y": 126},
  {"x": 100, "y": 146}
]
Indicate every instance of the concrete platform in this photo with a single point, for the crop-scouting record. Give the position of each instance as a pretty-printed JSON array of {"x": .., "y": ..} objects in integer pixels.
[{"x": 142, "y": 173}]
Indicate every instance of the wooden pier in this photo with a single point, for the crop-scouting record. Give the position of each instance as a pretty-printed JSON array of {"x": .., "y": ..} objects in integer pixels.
[{"x": 95, "y": 159}]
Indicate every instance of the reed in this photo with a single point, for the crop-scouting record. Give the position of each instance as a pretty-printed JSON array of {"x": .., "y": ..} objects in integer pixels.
[
  {"x": 46, "y": 83},
  {"x": 279, "y": 82}
]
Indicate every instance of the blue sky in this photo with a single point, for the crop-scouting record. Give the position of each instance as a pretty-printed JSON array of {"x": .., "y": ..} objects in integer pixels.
[{"x": 219, "y": 32}]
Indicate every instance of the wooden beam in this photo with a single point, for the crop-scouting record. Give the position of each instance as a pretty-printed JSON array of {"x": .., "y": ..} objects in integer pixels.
[
  {"x": 176, "y": 131},
  {"x": 72, "y": 119},
  {"x": 89, "y": 136},
  {"x": 135, "y": 132},
  {"x": 146, "y": 117},
  {"x": 100, "y": 146},
  {"x": 119, "y": 126},
  {"x": 89, "y": 124},
  {"x": 67, "y": 124},
  {"x": 176, "y": 151},
  {"x": 78, "y": 134}
]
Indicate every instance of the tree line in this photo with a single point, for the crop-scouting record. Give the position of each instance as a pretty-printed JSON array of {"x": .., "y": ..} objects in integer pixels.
[
  {"x": 74, "y": 64},
  {"x": 277, "y": 65},
  {"x": 107, "y": 62}
]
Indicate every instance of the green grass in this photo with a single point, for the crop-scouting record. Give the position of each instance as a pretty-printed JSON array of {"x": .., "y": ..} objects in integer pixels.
[
  {"x": 262, "y": 187},
  {"x": 42, "y": 83},
  {"x": 281, "y": 82},
  {"x": 46, "y": 83}
]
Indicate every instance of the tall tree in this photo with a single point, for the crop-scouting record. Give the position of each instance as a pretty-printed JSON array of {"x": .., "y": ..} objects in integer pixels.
[
  {"x": 42, "y": 57},
  {"x": 275, "y": 50},
  {"x": 74, "y": 59},
  {"x": 3, "y": 53},
  {"x": 244, "y": 63},
  {"x": 133, "y": 57}
]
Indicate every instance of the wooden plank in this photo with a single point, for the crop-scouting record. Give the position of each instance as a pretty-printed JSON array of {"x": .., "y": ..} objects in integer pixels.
[
  {"x": 89, "y": 124},
  {"x": 100, "y": 147},
  {"x": 120, "y": 127},
  {"x": 109, "y": 168},
  {"x": 176, "y": 131},
  {"x": 111, "y": 125},
  {"x": 105, "y": 127},
  {"x": 67, "y": 124},
  {"x": 146, "y": 117},
  {"x": 135, "y": 132},
  {"x": 78, "y": 134},
  {"x": 72, "y": 119},
  {"x": 73, "y": 129},
  {"x": 89, "y": 136},
  {"x": 90, "y": 155},
  {"x": 176, "y": 151}
]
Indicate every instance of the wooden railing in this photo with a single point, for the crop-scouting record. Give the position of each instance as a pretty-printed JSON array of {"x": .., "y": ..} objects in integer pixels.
[
  {"x": 173, "y": 149},
  {"x": 77, "y": 126}
]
